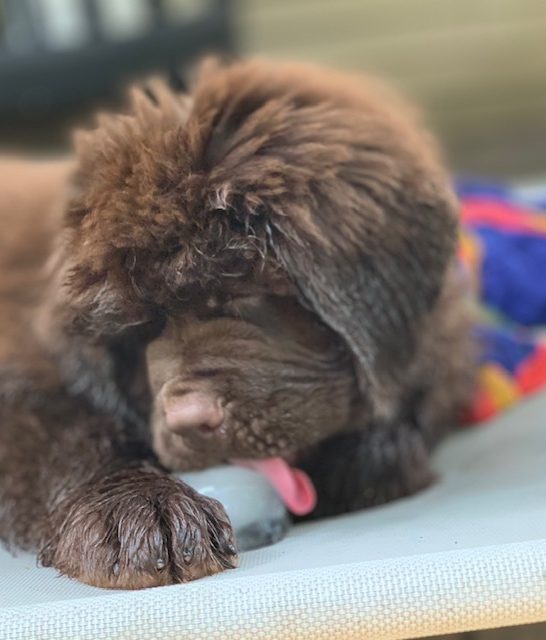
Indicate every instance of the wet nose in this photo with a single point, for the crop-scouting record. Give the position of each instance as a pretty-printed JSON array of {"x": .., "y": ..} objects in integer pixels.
[{"x": 193, "y": 411}]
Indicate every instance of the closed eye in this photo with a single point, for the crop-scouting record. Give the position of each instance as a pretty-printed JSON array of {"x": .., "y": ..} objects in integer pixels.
[{"x": 205, "y": 373}]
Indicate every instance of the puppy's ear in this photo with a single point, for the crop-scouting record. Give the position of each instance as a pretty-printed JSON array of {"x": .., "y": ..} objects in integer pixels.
[
  {"x": 371, "y": 264},
  {"x": 116, "y": 212},
  {"x": 349, "y": 195}
]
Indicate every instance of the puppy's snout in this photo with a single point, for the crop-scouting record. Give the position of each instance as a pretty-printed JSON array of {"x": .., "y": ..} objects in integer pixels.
[{"x": 193, "y": 411}]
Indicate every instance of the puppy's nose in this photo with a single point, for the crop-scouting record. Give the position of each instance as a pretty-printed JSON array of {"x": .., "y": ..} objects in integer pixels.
[{"x": 193, "y": 410}]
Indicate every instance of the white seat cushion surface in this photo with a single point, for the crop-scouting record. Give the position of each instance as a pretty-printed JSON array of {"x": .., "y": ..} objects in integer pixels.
[{"x": 468, "y": 553}]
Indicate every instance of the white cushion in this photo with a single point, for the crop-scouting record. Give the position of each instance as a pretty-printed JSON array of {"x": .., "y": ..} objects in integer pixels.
[{"x": 468, "y": 553}]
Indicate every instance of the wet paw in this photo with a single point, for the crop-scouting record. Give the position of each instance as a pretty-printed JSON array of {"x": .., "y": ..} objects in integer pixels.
[{"x": 138, "y": 528}]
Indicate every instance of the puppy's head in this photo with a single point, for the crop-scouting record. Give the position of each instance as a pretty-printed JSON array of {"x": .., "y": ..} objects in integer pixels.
[{"x": 309, "y": 203}]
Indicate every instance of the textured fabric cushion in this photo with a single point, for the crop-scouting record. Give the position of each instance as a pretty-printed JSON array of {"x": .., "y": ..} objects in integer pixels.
[{"x": 468, "y": 553}]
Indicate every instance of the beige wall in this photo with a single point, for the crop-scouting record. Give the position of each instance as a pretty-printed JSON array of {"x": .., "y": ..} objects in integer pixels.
[{"x": 477, "y": 66}]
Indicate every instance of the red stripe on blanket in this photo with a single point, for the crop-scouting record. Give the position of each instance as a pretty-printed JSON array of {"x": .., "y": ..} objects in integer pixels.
[{"x": 501, "y": 215}]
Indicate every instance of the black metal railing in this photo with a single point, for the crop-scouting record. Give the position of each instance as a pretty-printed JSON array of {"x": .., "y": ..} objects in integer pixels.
[{"x": 39, "y": 75}]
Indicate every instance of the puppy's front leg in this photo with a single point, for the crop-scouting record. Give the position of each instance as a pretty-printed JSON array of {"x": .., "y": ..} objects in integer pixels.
[
  {"x": 363, "y": 469},
  {"x": 94, "y": 504}
]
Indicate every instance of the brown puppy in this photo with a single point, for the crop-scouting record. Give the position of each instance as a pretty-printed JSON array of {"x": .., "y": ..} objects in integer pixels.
[{"x": 276, "y": 251}]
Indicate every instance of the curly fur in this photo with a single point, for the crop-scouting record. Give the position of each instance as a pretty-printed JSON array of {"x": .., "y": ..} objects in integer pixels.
[{"x": 280, "y": 239}]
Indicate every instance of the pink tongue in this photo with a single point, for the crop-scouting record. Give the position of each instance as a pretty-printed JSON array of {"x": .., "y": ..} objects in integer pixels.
[{"x": 293, "y": 486}]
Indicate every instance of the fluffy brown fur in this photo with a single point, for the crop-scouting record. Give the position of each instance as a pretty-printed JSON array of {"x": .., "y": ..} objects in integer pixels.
[{"x": 262, "y": 267}]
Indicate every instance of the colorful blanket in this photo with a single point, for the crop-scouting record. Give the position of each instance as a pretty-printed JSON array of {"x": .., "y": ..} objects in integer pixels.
[{"x": 503, "y": 249}]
